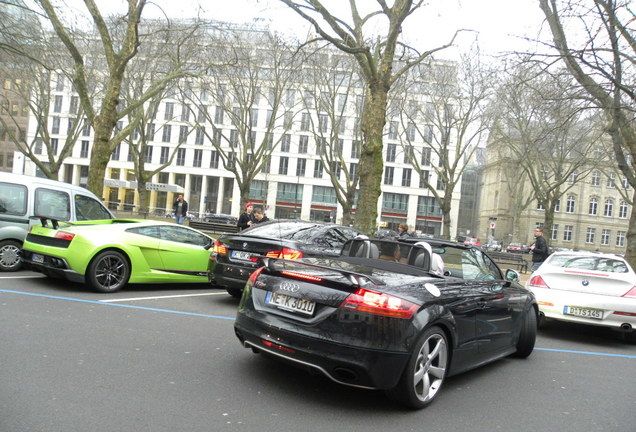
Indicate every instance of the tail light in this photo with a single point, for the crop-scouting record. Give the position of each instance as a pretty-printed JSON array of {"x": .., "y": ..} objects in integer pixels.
[
  {"x": 379, "y": 304},
  {"x": 254, "y": 275},
  {"x": 285, "y": 253},
  {"x": 63, "y": 235},
  {"x": 537, "y": 282},
  {"x": 302, "y": 276},
  {"x": 631, "y": 293},
  {"x": 219, "y": 248}
]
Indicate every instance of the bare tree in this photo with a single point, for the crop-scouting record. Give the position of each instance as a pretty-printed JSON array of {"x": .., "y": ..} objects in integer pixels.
[
  {"x": 376, "y": 58},
  {"x": 596, "y": 41},
  {"x": 333, "y": 113},
  {"x": 547, "y": 132}
]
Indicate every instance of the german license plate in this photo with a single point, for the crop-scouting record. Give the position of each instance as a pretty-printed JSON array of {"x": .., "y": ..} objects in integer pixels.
[
  {"x": 242, "y": 255},
  {"x": 37, "y": 258},
  {"x": 294, "y": 304},
  {"x": 583, "y": 312}
]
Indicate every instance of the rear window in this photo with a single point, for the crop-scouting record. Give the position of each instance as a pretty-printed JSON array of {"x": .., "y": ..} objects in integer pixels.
[
  {"x": 591, "y": 262},
  {"x": 285, "y": 230},
  {"x": 13, "y": 199}
]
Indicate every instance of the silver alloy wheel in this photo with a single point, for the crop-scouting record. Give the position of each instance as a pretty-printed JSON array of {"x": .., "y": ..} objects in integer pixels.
[
  {"x": 9, "y": 256},
  {"x": 430, "y": 367},
  {"x": 111, "y": 272}
]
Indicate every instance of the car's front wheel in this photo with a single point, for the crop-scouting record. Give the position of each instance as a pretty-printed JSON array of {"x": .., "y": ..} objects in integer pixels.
[
  {"x": 10, "y": 255},
  {"x": 108, "y": 272},
  {"x": 425, "y": 371}
]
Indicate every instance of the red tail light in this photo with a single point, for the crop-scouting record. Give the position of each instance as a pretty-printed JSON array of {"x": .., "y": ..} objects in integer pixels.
[
  {"x": 286, "y": 253},
  {"x": 64, "y": 235},
  {"x": 379, "y": 304},
  {"x": 302, "y": 276},
  {"x": 255, "y": 274},
  {"x": 219, "y": 248},
  {"x": 538, "y": 282},
  {"x": 631, "y": 293}
]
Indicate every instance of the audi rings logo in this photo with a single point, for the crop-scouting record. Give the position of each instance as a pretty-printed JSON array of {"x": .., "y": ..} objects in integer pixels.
[{"x": 289, "y": 286}]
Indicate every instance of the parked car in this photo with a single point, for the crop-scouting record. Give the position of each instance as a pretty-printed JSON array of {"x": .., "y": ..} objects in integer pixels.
[
  {"x": 220, "y": 218},
  {"x": 587, "y": 288},
  {"x": 23, "y": 197},
  {"x": 472, "y": 241},
  {"x": 396, "y": 326},
  {"x": 108, "y": 254},
  {"x": 517, "y": 248},
  {"x": 236, "y": 256},
  {"x": 494, "y": 246}
]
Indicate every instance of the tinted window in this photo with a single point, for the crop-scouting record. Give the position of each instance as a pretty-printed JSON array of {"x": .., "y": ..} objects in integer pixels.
[
  {"x": 53, "y": 204},
  {"x": 88, "y": 208},
  {"x": 13, "y": 199},
  {"x": 286, "y": 230},
  {"x": 468, "y": 263},
  {"x": 150, "y": 231},
  {"x": 184, "y": 235}
]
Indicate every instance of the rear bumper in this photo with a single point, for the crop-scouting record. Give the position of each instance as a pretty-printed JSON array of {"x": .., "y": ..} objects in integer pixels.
[
  {"x": 51, "y": 266},
  {"x": 616, "y": 311},
  {"x": 229, "y": 275}
]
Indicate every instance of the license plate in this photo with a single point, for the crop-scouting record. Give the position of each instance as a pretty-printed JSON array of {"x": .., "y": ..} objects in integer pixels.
[
  {"x": 583, "y": 312},
  {"x": 37, "y": 258},
  {"x": 290, "y": 303},
  {"x": 242, "y": 255}
]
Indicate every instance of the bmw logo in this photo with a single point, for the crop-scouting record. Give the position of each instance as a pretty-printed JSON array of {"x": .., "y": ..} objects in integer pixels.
[
  {"x": 245, "y": 245},
  {"x": 585, "y": 282}
]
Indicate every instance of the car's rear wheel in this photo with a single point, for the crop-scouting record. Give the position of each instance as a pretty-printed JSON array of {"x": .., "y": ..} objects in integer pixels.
[
  {"x": 108, "y": 272},
  {"x": 10, "y": 255},
  {"x": 425, "y": 371},
  {"x": 235, "y": 292},
  {"x": 527, "y": 335}
]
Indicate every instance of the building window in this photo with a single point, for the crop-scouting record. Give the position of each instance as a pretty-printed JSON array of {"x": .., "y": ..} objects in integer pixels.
[
  {"x": 555, "y": 232},
  {"x": 198, "y": 158},
  {"x": 234, "y": 138},
  {"x": 609, "y": 208},
  {"x": 283, "y": 165},
  {"x": 116, "y": 153},
  {"x": 388, "y": 175},
  {"x": 622, "y": 210},
  {"x": 57, "y": 105},
  {"x": 353, "y": 170},
  {"x": 605, "y": 237},
  {"x": 406, "y": 177},
  {"x": 84, "y": 149},
  {"x": 216, "y": 136},
  {"x": 285, "y": 143},
  {"x": 393, "y": 130},
  {"x": 214, "y": 159},
  {"x": 567, "y": 233},
  {"x": 169, "y": 112},
  {"x": 620, "y": 238},
  {"x": 323, "y": 195},
  {"x": 165, "y": 155},
  {"x": 185, "y": 113},
  {"x": 54, "y": 144},
  {"x": 426, "y": 156},
  {"x": 199, "y": 135},
  {"x": 183, "y": 134},
  {"x": 410, "y": 132},
  {"x": 570, "y": 204},
  {"x": 301, "y": 166},
  {"x": 148, "y": 156},
  {"x": 391, "y": 150},
  {"x": 267, "y": 161},
  {"x": 395, "y": 202},
  {"x": 596, "y": 178},
  {"x": 218, "y": 115},
  {"x": 593, "y": 209},
  {"x": 74, "y": 105},
  {"x": 611, "y": 181},
  {"x": 167, "y": 132},
  {"x": 355, "y": 149},
  {"x": 181, "y": 155},
  {"x": 305, "y": 122},
  {"x": 557, "y": 205},
  {"x": 323, "y": 123},
  {"x": 55, "y": 126},
  {"x": 573, "y": 177},
  {"x": 254, "y": 119},
  {"x": 303, "y": 144},
  {"x": 289, "y": 192},
  {"x": 318, "y": 169},
  {"x": 428, "y": 134},
  {"x": 589, "y": 235}
]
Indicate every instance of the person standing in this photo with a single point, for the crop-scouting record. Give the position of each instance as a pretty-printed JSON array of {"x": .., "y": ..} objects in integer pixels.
[
  {"x": 246, "y": 219},
  {"x": 403, "y": 230},
  {"x": 539, "y": 249},
  {"x": 180, "y": 208},
  {"x": 259, "y": 216}
]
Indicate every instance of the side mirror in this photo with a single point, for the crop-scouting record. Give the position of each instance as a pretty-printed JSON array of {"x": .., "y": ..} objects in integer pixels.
[{"x": 512, "y": 275}]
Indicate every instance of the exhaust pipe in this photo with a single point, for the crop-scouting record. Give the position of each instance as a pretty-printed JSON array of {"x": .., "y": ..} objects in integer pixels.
[{"x": 626, "y": 327}]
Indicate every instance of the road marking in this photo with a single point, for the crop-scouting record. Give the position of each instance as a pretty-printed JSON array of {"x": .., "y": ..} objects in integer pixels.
[
  {"x": 23, "y": 277},
  {"x": 118, "y": 305},
  {"x": 162, "y": 297},
  {"x": 587, "y": 352}
]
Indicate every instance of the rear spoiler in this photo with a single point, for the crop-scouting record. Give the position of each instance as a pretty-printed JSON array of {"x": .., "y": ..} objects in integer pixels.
[{"x": 55, "y": 223}]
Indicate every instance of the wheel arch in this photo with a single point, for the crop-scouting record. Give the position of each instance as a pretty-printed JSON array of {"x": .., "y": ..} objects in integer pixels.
[{"x": 109, "y": 249}]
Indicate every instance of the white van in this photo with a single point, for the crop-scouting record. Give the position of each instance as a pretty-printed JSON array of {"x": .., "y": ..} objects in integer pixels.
[{"x": 23, "y": 197}]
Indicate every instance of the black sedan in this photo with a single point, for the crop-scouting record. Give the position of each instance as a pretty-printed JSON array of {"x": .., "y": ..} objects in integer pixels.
[
  {"x": 236, "y": 256},
  {"x": 379, "y": 317}
]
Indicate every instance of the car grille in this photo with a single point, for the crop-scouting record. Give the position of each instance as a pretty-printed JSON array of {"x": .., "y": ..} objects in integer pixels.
[{"x": 48, "y": 241}]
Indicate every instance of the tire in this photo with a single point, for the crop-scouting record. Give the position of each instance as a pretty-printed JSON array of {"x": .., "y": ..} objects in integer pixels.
[
  {"x": 425, "y": 371},
  {"x": 108, "y": 272},
  {"x": 10, "y": 255},
  {"x": 235, "y": 292},
  {"x": 527, "y": 334}
]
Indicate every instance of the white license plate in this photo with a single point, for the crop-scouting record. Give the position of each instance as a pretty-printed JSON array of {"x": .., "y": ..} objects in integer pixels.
[
  {"x": 37, "y": 258},
  {"x": 242, "y": 255},
  {"x": 290, "y": 303},
  {"x": 583, "y": 312}
]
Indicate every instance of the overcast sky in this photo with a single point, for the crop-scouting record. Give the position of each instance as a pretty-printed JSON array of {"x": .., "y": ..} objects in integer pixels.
[{"x": 501, "y": 24}]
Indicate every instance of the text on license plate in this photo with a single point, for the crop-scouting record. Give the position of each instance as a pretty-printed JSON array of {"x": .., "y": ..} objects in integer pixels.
[
  {"x": 583, "y": 312},
  {"x": 291, "y": 303},
  {"x": 242, "y": 255},
  {"x": 37, "y": 258}
]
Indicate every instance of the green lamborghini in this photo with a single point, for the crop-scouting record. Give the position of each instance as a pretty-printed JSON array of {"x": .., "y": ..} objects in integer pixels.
[{"x": 108, "y": 254}]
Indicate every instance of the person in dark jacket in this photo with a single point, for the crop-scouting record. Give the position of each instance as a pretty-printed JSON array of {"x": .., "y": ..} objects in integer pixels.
[
  {"x": 259, "y": 216},
  {"x": 539, "y": 249},
  {"x": 246, "y": 219},
  {"x": 180, "y": 208}
]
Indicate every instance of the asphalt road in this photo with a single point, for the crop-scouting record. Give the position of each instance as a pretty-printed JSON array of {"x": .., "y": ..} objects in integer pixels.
[{"x": 164, "y": 358}]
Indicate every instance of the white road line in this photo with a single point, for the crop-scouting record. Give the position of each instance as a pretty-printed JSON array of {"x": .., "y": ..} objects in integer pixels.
[
  {"x": 162, "y": 297},
  {"x": 23, "y": 277}
]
